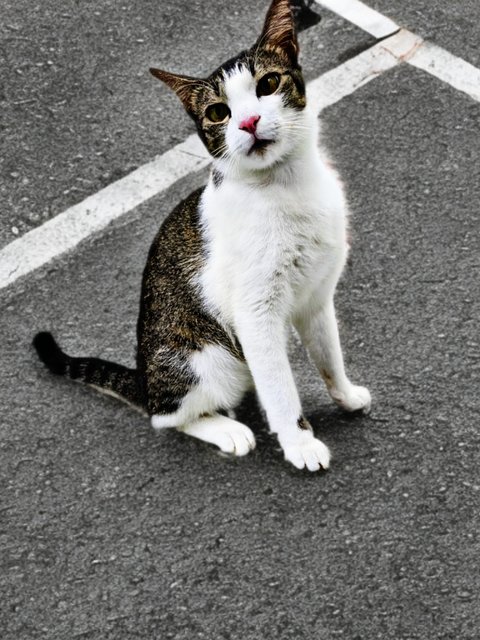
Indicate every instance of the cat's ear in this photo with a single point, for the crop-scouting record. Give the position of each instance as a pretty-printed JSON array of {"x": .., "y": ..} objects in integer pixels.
[
  {"x": 183, "y": 86},
  {"x": 279, "y": 29}
]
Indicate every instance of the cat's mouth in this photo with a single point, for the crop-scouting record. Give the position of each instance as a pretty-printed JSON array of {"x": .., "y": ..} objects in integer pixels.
[{"x": 259, "y": 146}]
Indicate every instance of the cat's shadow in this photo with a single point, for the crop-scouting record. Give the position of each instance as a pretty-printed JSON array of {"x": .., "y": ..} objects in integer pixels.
[{"x": 328, "y": 421}]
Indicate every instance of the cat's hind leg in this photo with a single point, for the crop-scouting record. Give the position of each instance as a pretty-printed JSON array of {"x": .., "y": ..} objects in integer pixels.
[{"x": 221, "y": 380}]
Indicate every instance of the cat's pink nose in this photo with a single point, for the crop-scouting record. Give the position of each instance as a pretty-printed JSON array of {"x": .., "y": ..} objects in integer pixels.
[{"x": 249, "y": 124}]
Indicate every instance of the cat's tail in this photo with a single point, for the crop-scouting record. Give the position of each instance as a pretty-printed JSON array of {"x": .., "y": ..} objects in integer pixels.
[{"x": 108, "y": 377}]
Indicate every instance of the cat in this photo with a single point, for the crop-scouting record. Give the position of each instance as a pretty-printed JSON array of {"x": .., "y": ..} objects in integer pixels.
[{"x": 258, "y": 249}]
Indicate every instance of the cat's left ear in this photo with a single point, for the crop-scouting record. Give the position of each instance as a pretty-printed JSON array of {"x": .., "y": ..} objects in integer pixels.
[
  {"x": 279, "y": 29},
  {"x": 184, "y": 86}
]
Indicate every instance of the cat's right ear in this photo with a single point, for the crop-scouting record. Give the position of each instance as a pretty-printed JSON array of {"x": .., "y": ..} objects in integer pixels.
[
  {"x": 279, "y": 29},
  {"x": 184, "y": 86}
]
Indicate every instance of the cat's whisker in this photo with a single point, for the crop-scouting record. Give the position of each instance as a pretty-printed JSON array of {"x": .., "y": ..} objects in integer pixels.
[
  {"x": 295, "y": 123},
  {"x": 227, "y": 157}
]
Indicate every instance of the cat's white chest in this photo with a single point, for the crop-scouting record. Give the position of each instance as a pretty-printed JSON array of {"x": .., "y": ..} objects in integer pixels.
[{"x": 270, "y": 243}]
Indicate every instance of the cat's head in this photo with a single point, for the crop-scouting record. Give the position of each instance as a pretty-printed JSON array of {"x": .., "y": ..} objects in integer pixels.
[{"x": 250, "y": 110}]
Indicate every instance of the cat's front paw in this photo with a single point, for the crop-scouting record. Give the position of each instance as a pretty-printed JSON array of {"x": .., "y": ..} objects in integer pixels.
[
  {"x": 307, "y": 452},
  {"x": 353, "y": 398}
]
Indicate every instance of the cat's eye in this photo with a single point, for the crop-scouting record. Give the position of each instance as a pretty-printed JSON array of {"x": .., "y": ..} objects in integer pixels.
[
  {"x": 217, "y": 112},
  {"x": 268, "y": 84}
]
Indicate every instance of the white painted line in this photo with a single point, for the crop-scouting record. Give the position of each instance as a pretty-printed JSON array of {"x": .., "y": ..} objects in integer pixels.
[
  {"x": 444, "y": 65},
  {"x": 364, "y": 17},
  {"x": 429, "y": 57},
  {"x": 66, "y": 230},
  {"x": 352, "y": 74},
  {"x": 402, "y": 45}
]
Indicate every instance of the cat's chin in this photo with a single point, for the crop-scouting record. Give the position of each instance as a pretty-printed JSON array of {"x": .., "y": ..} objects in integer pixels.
[
  {"x": 265, "y": 155},
  {"x": 262, "y": 156},
  {"x": 259, "y": 147}
]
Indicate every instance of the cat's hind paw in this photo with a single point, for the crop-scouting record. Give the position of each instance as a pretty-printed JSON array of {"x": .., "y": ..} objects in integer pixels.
[
  {"x": 307, "y": 452},
  {"x": 353, "y": 398},
  {"x": 228, "y": 435},
  {"x": 237, "y": 440}
]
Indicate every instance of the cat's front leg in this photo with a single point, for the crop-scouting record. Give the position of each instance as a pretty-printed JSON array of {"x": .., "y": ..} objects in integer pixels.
[
  {"x": 319, "y": 333},
  {"x": 264, "y": 344}
]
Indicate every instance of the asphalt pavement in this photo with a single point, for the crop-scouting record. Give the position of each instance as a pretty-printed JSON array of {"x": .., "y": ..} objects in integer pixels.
[
  {"x": 109, "y": 531},
  {"x": 79, "y": 108}
]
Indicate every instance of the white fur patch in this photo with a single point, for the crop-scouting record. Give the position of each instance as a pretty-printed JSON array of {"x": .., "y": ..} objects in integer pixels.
[{"x": 223, "y": 381}]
